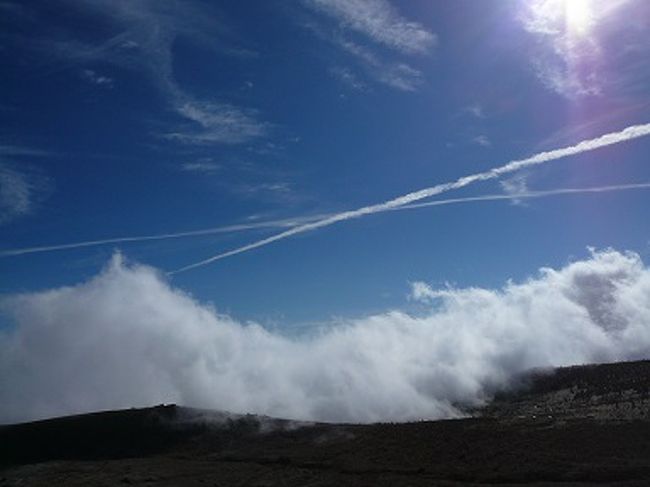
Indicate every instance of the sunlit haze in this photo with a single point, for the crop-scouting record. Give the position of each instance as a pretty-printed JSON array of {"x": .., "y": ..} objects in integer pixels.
[{"x": 579, "y": 15}]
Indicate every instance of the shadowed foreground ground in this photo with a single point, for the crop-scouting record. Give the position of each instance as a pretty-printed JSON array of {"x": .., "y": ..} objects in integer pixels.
[{"x": 576, "y": 426}]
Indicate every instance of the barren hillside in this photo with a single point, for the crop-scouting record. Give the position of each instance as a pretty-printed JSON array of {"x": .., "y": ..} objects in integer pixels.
[{"x": 572, "y": 426}]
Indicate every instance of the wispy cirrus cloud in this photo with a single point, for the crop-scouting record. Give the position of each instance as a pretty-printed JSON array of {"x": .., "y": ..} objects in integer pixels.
[
  {"x": 482, "y": 140},
  {"x": 16, "y": 150},
  {"x": 15, "y": 193},
  {"x": 145, "y": 33},
  {"x": 97, "y": 79},
  {"x": 475, "y": 110},
  {"x": 202, "y": 166},
  {"x": 560, "y": 49},
  {"x": 380, "y": 22},
  {"x": 22, "y": 185},
  {"x": 577, "y": 43},
  {"x": 365, "y": 30},
  {"x": 21, "y": 188},
  {"x": 348, "y": 78},
  {"x": 398, "y": 75},
  {"x": 217, "y": 123},
  {"x": 516, "y": 187},
  {"x": 275, "y": 190}
]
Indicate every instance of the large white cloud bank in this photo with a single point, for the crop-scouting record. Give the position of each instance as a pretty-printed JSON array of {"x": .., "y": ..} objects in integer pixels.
[{"x": 127, "y": 338}]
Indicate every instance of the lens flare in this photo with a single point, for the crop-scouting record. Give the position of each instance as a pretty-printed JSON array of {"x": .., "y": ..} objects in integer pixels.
[
  {"x": 579, "y": 16},
  {"x": 555, "y": 17}
]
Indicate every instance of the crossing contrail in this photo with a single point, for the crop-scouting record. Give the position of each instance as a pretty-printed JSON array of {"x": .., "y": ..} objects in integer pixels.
[
  {"x": 526, "y": 195},
  {"x": 165, "y": 236},
  {"x": 293, "y": 222},
  {"x": 612, "y": 138}
]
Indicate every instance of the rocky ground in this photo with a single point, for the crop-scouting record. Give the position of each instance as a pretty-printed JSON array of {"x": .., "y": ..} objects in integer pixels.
[
  {"x": 607, "y": 392},
  {"x": 573, "y": 426}
]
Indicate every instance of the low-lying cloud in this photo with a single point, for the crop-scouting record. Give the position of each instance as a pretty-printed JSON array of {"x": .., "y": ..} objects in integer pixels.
[{"x": 128, "y": 338}]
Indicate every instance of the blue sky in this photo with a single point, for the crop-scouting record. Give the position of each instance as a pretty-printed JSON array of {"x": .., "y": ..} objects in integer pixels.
[{"x": 132, "y": 118}]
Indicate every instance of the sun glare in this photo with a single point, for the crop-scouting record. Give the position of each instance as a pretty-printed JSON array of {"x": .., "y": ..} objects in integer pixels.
[
  {"x": 578, "y": 18},
  {"x": 578, "y": 15}
]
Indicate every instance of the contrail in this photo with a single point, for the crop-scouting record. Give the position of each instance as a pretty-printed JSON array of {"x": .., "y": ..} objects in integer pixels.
[
  {"x": 526, "y": 195},
  {"x": 294, "y": 222},
  {"x": 629, "y": 133},
  {"x": 226, "y": 229}
]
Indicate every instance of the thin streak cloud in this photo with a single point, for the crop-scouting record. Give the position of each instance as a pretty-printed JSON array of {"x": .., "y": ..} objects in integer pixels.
[
  {"x": 527, "y": 195},
  {"x": 612, "y": 138},
  {"x": 293, "y": 222},
  {"x": 165, "y": 236}
]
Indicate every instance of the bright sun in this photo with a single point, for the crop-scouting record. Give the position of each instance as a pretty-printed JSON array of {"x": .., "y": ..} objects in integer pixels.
[{"x": 578, "y": 15}]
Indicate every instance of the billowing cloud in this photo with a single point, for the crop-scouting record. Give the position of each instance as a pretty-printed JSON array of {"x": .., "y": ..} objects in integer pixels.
[{"x": 128, "y": 338}]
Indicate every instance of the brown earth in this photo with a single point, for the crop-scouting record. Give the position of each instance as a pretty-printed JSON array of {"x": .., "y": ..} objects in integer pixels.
[{"x": 575, "y": 426}]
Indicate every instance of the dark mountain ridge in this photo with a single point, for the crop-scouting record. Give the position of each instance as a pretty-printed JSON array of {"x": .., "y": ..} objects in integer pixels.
[{"x": 580, "y": 425}]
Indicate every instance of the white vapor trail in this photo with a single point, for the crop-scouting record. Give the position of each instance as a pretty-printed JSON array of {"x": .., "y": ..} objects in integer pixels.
[
  {"x": 629, "y": 133},
  {"x": 208, "y": 231},
  {"x": 294, "y": 222},
  {"x": 527, "y": 195}
]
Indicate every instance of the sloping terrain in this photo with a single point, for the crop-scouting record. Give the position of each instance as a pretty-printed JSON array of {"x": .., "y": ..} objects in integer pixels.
[
  {"x": 607, "y": 392},
  {"x": 574, "y": 426}
]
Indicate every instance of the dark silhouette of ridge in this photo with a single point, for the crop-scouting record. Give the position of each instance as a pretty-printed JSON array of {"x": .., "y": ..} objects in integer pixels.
[
  {"x": 584, "y": 425},
  {"x": 110, "y": 434}
]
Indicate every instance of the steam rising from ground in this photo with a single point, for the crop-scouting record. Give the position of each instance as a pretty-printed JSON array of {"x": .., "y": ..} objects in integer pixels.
[{"x": 127, "y": 338}]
